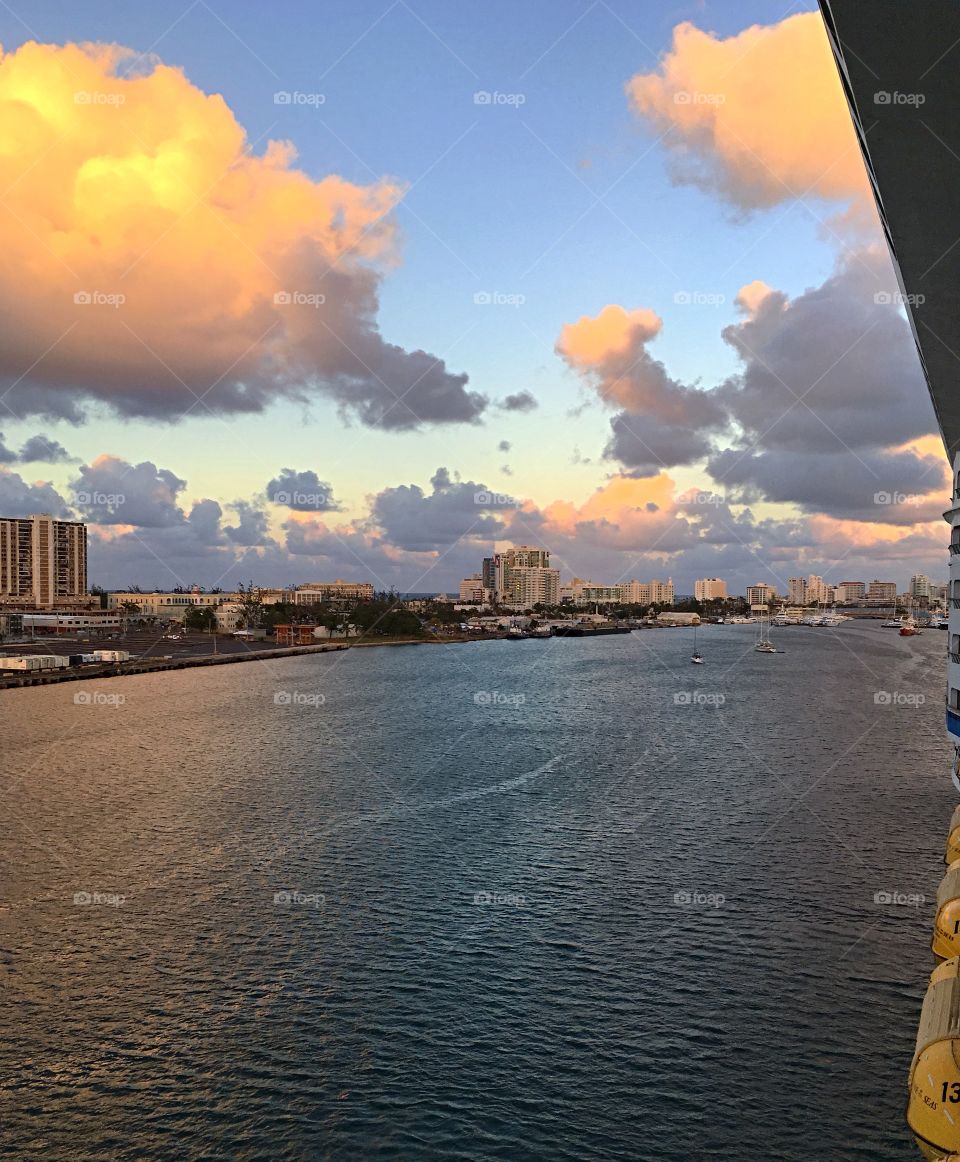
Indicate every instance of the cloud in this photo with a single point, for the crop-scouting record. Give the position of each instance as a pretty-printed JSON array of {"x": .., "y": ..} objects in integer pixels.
[
  {"x": 113, "y": 491},
  {"x": 833, "y": 369},
  {"x": 172, "y": 269},
  {"x": 521, "y": 401},
  {"x": 757, "y": 118},
  {"x": 301, "y": 491},
  {"x": 416, "y": 521},
  {"x": 19, "y": 498},
  {"x": 662, "y": 422},
  {"x": 41, "y": 449},
  {"x": 504, "y": 446}
]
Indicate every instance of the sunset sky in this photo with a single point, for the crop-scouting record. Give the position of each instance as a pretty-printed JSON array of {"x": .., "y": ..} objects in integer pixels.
[{"x": 363, "y": 290}]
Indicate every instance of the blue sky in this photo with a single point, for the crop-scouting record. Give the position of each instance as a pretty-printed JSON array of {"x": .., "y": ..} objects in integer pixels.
[{"x": 559, "y": 198}]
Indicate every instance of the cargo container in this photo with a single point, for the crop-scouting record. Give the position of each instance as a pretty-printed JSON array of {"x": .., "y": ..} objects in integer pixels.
[
  {"x": 33, "y": 662},
  {"x": 111, "y": 655}
]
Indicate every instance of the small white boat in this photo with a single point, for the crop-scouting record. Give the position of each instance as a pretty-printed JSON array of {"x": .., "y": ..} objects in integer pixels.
[{"x": 696, "y": 657}]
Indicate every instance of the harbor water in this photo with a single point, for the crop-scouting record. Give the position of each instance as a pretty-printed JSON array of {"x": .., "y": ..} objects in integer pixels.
[{"x": 560, "y": 899}]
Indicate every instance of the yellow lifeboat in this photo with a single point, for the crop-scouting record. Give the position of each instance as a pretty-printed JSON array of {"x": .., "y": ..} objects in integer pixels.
[
  {"x": 953, "y": 839},
  {"x": 946, "y": 926},
  {"x": 933, "y": 1105}
]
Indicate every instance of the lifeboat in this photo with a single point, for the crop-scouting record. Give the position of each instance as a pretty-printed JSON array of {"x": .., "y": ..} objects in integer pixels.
[
  {"x": 933, "y": 1105},
  {"x": 946, "y": 927}
]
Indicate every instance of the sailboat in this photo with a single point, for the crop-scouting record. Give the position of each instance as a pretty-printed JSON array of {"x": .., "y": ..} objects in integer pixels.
[
  {"x": 696, "y": 657},
  {"x": 892, "y": 622},
  {"x": 764, "y": 644}
]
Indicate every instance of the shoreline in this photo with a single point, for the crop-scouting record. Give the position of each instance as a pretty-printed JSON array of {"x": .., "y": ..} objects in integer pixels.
[{"x": 20, "y": 679}]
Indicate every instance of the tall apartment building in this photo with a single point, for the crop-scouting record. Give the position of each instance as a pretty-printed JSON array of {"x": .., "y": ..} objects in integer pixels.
[
  {"x": 797, "y": 590},
  {"x": 760, "y": 594},
  {"x": 818, "y": 590},
  {"x": 473, "y": 589},
  {"x": 853, "y": 590},
  {"x": 43, "y": 561},
  {"x": 522, "y": 576},
  {"x": 709, "y": 589},
  {"x": 920, "y": 585},
  {"x": 882, "y": 592}
]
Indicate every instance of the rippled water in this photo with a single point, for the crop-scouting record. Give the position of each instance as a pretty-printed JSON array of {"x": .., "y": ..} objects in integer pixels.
[{"x": 606, "y": 1004}]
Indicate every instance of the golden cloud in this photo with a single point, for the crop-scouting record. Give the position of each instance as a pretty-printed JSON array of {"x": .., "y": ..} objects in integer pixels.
[
  {"x": 759, "y": 117},
  {"x": 151, "y": 259}
]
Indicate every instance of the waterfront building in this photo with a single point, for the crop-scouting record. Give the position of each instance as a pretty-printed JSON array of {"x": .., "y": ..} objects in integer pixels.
[
  {"x": 709, "y": 589},
  {"x": 522, "y": 576},
  {"x": 71, "y": 623},
  {"x": 472, "y": 590},
  {"x": 817, "y": 590},
  {"x": 920, "y": 586},
  {"x": 43, "y": 561},
  {"x": 853, "y": 591},
  {"x": 882, "y": 593},
  {"x": 338, "y": 590},
  {"x": 797, "y": 590},
  {"x": 760, "y": 595},
  {"x": 169, "y": 606}
]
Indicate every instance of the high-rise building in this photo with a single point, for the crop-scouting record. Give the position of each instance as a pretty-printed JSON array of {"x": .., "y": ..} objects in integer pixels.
[
  {"x": 472, "y": 589},
  {"x": 522, "y": 576},
  {"x": 818, "y": 590},
  {"x": 709, "y": 589},
  {"x": 43, "y": 561},
  {"x": 920, "y": 585},
  {"x": 797, "y": 590},
  {"x": 853, "y": 590},
  {"x": 881, "y": 592},
  {"x": 760, "y": 594}
]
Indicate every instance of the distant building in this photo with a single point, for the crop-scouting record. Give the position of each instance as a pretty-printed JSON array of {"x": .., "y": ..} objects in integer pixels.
[
  {"x": 760, "y": 595},
  {"x": 797, "y": 590},
  {"x": 167, "y": 606},
  {"x": 920, "y": 586},
  {"x": 818, "y": 590},
  {"x": 881, "y": 592},
  {"x": 473, "y": 590},
  {"x": 43, "y": 561},
  {"x": 709, "y": 589},
  {"x": 853, "y": 591},
  {"x": 522, "y": 576},
  {"x": 337, "y": 590},
  {"x": 678, "y": 618}
]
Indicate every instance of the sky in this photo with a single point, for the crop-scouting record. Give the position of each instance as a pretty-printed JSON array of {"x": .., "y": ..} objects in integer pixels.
[{"x": 367, "y": 290}]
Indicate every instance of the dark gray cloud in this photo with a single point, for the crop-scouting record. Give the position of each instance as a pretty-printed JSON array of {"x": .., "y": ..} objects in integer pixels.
[
  {"x": 417, "y": 521},
  {"x": 301, "y": 491},
  {"x": 113, "y": 491},
  {"x": 833, "y": 369},
  {"x": 251, "y": 527},
  {"x": 41, "y": 449},
  {"x": 18, "y": 498},
  {"x": 520, "y": 401},
  {"x": 645, "y": 445},
  {"x": 868, "y": 485}
]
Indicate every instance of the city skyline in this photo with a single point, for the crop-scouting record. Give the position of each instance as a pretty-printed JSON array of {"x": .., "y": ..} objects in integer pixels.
[{"x": 500, "y": 328}]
